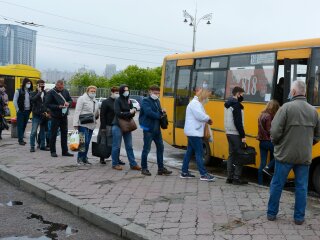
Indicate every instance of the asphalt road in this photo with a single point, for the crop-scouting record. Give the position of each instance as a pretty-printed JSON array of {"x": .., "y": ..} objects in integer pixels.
[{"x": 36, "y": 219}]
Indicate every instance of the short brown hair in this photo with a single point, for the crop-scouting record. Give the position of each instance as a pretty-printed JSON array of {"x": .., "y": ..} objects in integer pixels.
[
  {"x": 114, "y": 89},
  {"x": 40, "y": 81},
  {"x": 236, "y": 90},
  {"x": 154, "y": 88}
]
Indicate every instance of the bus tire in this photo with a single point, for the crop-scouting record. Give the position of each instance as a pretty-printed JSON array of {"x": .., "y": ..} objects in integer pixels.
[
  {"x": 206, "y": 153},
  {"x": 316, "y": 178}
]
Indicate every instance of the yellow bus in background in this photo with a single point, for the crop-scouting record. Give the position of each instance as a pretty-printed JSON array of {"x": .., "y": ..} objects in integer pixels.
[
  {"x": 13, "y": 76},
  {"x": 257, "y": 69}
]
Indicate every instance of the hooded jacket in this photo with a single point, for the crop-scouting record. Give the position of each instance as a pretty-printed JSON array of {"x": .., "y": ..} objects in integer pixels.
[
  {"x": 233, "y": 117},
  {"x": 122, "y": 107}
]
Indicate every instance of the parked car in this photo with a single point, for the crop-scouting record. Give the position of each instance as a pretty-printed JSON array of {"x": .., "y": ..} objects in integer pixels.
[
  {"x": 74, "y": 101},
  {"x": 100, "y": 100},
  {"x": 135, "y": 103},
  {"x": 137, "y": 97}
]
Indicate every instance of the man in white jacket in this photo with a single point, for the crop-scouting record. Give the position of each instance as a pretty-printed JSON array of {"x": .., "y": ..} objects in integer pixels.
[{"x": 196, "y": 118}]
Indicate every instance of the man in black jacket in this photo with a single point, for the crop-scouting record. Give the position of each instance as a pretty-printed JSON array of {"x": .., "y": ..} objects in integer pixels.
[
  {"x": 39, "y": 115},
  {"x": 58, "y": 101},
  {"x": 107, "y": 115}
]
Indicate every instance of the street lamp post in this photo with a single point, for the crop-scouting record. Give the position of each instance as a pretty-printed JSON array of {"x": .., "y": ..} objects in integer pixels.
[{"x": 194, "y": 22}]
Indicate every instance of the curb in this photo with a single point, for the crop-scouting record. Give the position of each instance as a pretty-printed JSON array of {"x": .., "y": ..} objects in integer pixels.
[{"x": 97, "y": 216}]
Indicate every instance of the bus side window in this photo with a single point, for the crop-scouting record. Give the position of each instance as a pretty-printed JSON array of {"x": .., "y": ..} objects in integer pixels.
[
  {"x": 9, "y": 82},
  {"x": 169, "y": 80},
  {"x": 313, "y": 91}
]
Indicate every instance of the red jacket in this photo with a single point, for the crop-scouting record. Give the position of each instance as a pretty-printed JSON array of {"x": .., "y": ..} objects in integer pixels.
[{"x": 264, "y": 126}]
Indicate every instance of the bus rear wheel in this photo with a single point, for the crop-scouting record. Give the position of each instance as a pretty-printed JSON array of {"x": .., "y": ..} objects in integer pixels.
[
  {"x": 206, "y": 153},
  {"x": 316, "y": 178}
]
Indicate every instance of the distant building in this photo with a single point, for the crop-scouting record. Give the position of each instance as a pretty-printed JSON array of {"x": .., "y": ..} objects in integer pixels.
[
  {"x": 53, "y": 76},
  {"x": 110, "y": 70},
  {"x": 17, "y": 45}
]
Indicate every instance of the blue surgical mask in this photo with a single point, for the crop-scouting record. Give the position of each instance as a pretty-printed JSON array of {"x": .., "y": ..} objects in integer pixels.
[
  {"x": 126, "y": 93},
  {"x": 92, "y": 95},
  {"x": 28, "y": 85}
]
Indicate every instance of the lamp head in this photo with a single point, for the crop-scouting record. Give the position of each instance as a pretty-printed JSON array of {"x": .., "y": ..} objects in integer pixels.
[
  {"x": 185, "y": 20},
  {"x": 191, "y": 24},
  {"x": 208, "y": 22}
]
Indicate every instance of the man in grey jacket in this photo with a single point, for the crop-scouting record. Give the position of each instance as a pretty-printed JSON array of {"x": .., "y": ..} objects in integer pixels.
[{"x": 294, "y": 129}]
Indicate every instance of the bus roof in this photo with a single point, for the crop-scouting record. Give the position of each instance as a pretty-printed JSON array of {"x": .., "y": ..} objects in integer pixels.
[
  {"x": 19, "y": 70},
  {"x": 315, "y": 42}
]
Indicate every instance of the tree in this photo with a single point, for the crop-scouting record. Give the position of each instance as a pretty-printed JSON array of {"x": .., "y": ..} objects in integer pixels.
[{"x": 87, "y": 79}]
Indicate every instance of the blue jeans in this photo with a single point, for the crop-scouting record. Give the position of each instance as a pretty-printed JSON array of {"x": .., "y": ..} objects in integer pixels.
[
  {"x": 36, "y": 121},
  {"x": 116, "y": 145},
  {"x": 22, "y": 121},
  {"x": 301, "y": 188},
  {"x": 87, "y": 135},
  {"x": 265, "y": 147},
  {"x": 148, "y": 137},
  {"x": 194, "y": 146}
]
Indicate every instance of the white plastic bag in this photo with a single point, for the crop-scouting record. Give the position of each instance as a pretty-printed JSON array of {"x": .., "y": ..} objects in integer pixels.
[{"x": 74, "y": 141}]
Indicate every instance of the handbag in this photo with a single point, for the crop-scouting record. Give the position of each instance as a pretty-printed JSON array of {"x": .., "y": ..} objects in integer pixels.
[
  {"x": 164, "y": 121},
  {"x": 102, "y": 148},
  {"x": 206, "y": 132},
  {"x": 127, "y": 125},
  {"x": 3, "y": 124},
  {"x": 246, "y": 155},
  {"x": 86, "y": 118}
]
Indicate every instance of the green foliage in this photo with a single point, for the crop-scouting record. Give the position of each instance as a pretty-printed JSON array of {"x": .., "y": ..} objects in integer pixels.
[{"x": 135, "y": 77}]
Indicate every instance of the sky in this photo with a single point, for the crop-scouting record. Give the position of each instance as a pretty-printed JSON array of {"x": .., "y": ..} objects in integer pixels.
[{"x": 77, "y": 33}]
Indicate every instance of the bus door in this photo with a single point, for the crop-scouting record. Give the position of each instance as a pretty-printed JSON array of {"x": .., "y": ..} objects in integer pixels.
[
  {"x": 182, "y": 96},
  {"x": 292, "y": 65}
]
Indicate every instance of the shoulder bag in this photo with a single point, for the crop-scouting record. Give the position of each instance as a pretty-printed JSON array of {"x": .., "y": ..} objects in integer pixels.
[
  {"x": 89, "y": 117},
  {"x": 245, "y": 155},
  {"x": 127, "y": 125}
]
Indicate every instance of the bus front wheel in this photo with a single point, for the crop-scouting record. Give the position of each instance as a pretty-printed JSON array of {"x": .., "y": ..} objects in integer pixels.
[
  {"x": 206, "y": 153},
  {"x": 316, "y": 178}
]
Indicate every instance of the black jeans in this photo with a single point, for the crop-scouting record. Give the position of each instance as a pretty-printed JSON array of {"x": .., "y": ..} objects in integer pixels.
[
  {"x": 57, "y": 123},
  {"x": 234, "y": 171}
]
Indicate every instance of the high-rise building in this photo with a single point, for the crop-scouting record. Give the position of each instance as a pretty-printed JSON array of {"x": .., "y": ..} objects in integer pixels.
[
  {"x": 110, "y": 70},
  {"x": 17, "y": 45}
]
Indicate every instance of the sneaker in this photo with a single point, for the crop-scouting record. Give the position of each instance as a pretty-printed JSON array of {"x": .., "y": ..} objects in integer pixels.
[
  {"x": 208, "y": 178},
  {"x": 121, "y": 162},
  {"x": 239, "y": 182},
  {"x": 267, "y": 171},
  {"x": 298, "y": 222},
  {"x": 53, "y": 154},
  {"x": 271, "y": 218},
  {"x": 145, "y": 172},
  {"x": 22, "y": 143},
  {"x": 229, "y": 181},
  {"x": 32, "y": 149},
  {"x": 79, "y": 161},
  {"x": 117, "y": 167},
  {"x": 136, "y": 167},
  {"x": 45, "y": 149},
  {"x": 85, "y": 161},
  {"x": 187, "y": 175},
  {"x": 164, "y": 171}
]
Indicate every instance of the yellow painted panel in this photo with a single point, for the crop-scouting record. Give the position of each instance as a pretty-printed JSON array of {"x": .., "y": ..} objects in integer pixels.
[
  {"x": 185, "y": 62},
  {"x": 167, "y": 134},
  {"x": 180, "y": 138},
  {"x": 294, "y": 54}
]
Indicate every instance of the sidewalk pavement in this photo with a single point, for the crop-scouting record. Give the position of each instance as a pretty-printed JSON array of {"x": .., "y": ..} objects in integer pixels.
[{"x": 156, "y": 207}]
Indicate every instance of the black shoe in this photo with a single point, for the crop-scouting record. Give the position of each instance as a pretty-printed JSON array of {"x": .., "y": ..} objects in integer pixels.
[
  {"x": 271, "y": 218},
  {"x": 85, "y": 161},
  {"x": 121, "y": 162},
  {"x": 145, "y": 172},
  {"x": 239, "y": 182},
  {"x": 22, "y": 143},
  {"x": 187, "y": 175},
  {"x": 298, "y": 222},
  {"x": 67, "y": 154},
  {"x": 45, "y": 149},
  {"x": 164, "y": 171},
  {"x": 54, "y": 154},
  {"x": 102, "y": 161},
  {"x": 80, "y": 161},
  {"x": 229, "y": 180},
  {"x": 32, "y": 149}
]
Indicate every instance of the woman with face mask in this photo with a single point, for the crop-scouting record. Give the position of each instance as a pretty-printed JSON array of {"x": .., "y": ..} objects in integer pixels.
[
  {"x": 84, "y": 120},
  {"x": 3, "y": 102},
  {"x": 123, "y": 109}
]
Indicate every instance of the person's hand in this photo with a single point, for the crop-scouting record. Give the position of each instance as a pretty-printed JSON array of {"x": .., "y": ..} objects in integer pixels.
[
  {"x": 132, "y": 111},
  {"x": 164, "y": 111},
  {"x": 66, "y": 104},
  {"x": 243, "y": 140},
  {"x": 61, "y": 106},
  {"x": 209, "y": 122}
]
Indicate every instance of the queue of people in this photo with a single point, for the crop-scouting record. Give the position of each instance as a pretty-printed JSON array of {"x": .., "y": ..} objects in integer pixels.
[{"x": 281, "y": 132}]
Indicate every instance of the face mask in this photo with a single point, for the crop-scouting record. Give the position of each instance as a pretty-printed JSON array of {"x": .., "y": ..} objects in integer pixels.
[
  {"x": 92, "y": 95},
  {"x": 154, "y": 97},
  {"x": 205, "y": 85},
  {"x": 116, "y": 95},
  {"x": 240, "y": 98},
  {"x": 28, "y": 85},
  {"x": 126, "y": 93},
  {"x": 64, "y": 110}
]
